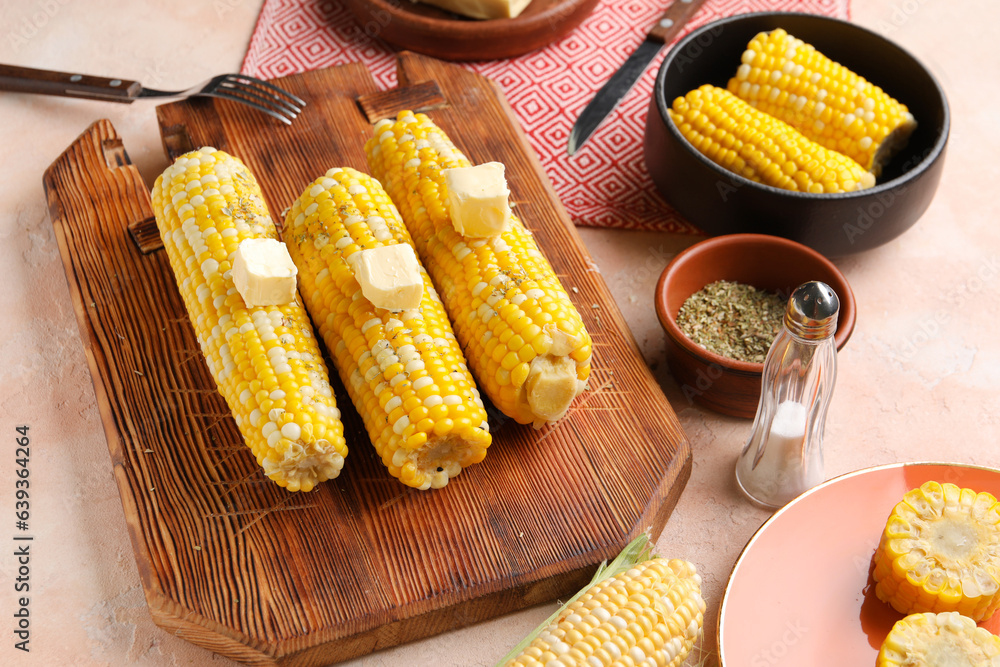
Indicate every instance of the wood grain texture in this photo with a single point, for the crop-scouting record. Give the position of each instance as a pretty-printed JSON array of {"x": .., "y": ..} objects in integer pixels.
[
  {"x": 418, "y": 97},
  {"x": 437, "y": 32},
  {"x": 234, "y": 563}
]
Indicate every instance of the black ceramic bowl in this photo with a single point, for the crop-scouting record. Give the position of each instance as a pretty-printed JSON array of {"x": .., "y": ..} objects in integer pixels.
[{"x": 721, "y": 202}]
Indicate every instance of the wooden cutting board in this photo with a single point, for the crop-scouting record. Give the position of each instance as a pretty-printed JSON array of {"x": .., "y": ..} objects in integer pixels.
[{"x": 232, "y": 562}]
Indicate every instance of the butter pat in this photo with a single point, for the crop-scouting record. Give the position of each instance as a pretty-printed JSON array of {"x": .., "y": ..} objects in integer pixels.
[
  {"x": 264, "y": 273},
  {"x": 482, "y": 9},
  {"x": 478, "y": 200},
  {"x": 390, "y": 277}
]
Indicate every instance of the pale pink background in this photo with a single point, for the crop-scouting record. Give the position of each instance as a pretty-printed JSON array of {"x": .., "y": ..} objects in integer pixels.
[{"x": 919, "y": 380}]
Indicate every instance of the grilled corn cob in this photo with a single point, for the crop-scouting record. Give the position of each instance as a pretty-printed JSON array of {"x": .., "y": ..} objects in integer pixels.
[
  {"x": 524, "y": 339},
  {"x": 940, "y": 551},
  {"x": 748, "y": 142},
  {"x": 265, "y": 360},
  {"x": 947, "y": 639},
  {"x": 404, "y": 370},
  {"x": 828, "y": 103},
  {"x": 651, "y": 614}
]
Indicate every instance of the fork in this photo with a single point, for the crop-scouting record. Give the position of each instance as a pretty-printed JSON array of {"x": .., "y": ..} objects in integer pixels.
[{"x": 260, "y": 95}]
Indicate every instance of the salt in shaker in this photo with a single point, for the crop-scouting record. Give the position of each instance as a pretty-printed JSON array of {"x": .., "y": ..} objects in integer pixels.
[{"x": 784, "y": 455}]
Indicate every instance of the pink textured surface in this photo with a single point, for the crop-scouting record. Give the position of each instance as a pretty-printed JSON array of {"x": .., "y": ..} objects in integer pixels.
[
  {"x": 918, "y": 381},
  {"x": 605, "y": 184}
]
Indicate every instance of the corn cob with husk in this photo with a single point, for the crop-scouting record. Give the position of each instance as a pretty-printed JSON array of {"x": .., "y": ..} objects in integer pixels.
[
  {"x": 524, "y": 339},
  {"x": 265, "y": 359},
  {"x": 828, "y": 103},
  {"x": 639, "y": 610},
  {"x": 947, "y": 639},
  {"x": 940, "y": 551},
  {"x": 754, "y": 145},
  {"x": 404, "y": 370}
]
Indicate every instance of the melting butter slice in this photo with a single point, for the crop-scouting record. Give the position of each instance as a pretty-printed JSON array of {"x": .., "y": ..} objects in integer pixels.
[
  {"x": 482, "y": 9},
  {"x": 478, "y": 199},
  {"x": 264, "y": 273},
  {"x": 552, "y": 384},
  {"x": 389, "y": 276}
]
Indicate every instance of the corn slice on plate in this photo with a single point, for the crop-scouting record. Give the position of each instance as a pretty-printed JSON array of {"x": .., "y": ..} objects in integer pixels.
[
  {"x": 947, "y": 639},
  {"x": 834, "y": 529},
  {"x": 940, "y": 551},
  {"x": 404, "y": 370},
  {"x": 265, "y": 360},
  {"x": 524, "y": 339}
]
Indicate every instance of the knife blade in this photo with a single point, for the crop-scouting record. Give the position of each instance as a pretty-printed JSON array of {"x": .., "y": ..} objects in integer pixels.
[{"x": 622, "y": 81}]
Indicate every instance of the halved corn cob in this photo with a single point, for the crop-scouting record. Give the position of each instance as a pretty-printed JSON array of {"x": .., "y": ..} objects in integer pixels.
[
  {"x": 947, "y": 639},
  {"x": 748, "y": 142},
  {"x": 790, "y": 80},
  {"x": 524, "y": 339},
  {"x": 404, "y": 370},
  {"x": 265, "y": 360},
  {"x": 651, "y": 614},
  {"x": 940, "y": 551}
]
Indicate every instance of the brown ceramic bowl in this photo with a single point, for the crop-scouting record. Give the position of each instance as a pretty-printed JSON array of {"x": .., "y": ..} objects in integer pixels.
[{"x": 767, "y": 262}]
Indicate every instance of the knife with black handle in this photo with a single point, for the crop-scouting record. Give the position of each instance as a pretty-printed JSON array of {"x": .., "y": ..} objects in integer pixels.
[{"x": 617, "y": 87}]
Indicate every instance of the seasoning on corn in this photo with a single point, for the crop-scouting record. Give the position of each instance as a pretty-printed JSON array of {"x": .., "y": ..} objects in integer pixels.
[
  {"x": 639, "y": 610},
  {"x": 947, "y": 639},
  {"x": 940, "y": 551},
  {"x": 828, "y": 103},
  {"x": 404, "y": 370},
  {"x": 265, "y": 359},
  {"x": 524, "y": 339},
  {"x": 749, "y": 142}
]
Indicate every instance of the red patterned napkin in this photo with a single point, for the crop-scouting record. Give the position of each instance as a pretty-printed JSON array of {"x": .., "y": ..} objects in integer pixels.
[{"x": 606, "y": 183}]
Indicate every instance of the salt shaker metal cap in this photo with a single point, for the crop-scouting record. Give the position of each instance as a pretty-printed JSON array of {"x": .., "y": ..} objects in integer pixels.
[{"x": 812, "y": 311}]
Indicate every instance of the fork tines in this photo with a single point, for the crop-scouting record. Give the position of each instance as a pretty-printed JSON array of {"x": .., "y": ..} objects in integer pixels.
[{"x": 259, "y": 94}]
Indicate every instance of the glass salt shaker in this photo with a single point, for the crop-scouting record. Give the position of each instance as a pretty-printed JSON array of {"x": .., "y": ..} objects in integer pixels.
[{"x": 784, "y": 455}]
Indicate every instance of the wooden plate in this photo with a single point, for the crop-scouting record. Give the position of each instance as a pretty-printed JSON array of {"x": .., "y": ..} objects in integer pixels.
[{"x": 442, "y": 34}]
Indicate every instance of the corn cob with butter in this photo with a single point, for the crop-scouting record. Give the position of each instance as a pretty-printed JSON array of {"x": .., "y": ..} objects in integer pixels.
[
  {"x": 940, "y": 551},
  {"x": 524, "y": 339},
  {"x": 947, "y": 639},
  {"x": 828, "y": 103},
  {"x": 404, "y": 370},
  {"x": 640, "y": 610},
  {"x": 748, "y": 142},
  {"x": 264, "y": 359}
]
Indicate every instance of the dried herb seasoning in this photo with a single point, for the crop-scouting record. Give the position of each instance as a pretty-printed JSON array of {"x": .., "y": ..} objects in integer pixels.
[{"x": 733, "y": 320}]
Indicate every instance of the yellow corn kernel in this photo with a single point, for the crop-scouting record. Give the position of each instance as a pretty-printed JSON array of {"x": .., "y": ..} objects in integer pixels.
[
  {"x": 404, "y": 370},
  {"x": 770, "y": 151},
  {"x": 492, "y": 288},
  {"x": 657, "y": 625},
  {"x": 265, "y": 360},
  {"x": 938, "y": 640},
  {"x": 828, "y": 103},
  {"x": 940, "y": 551}
]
